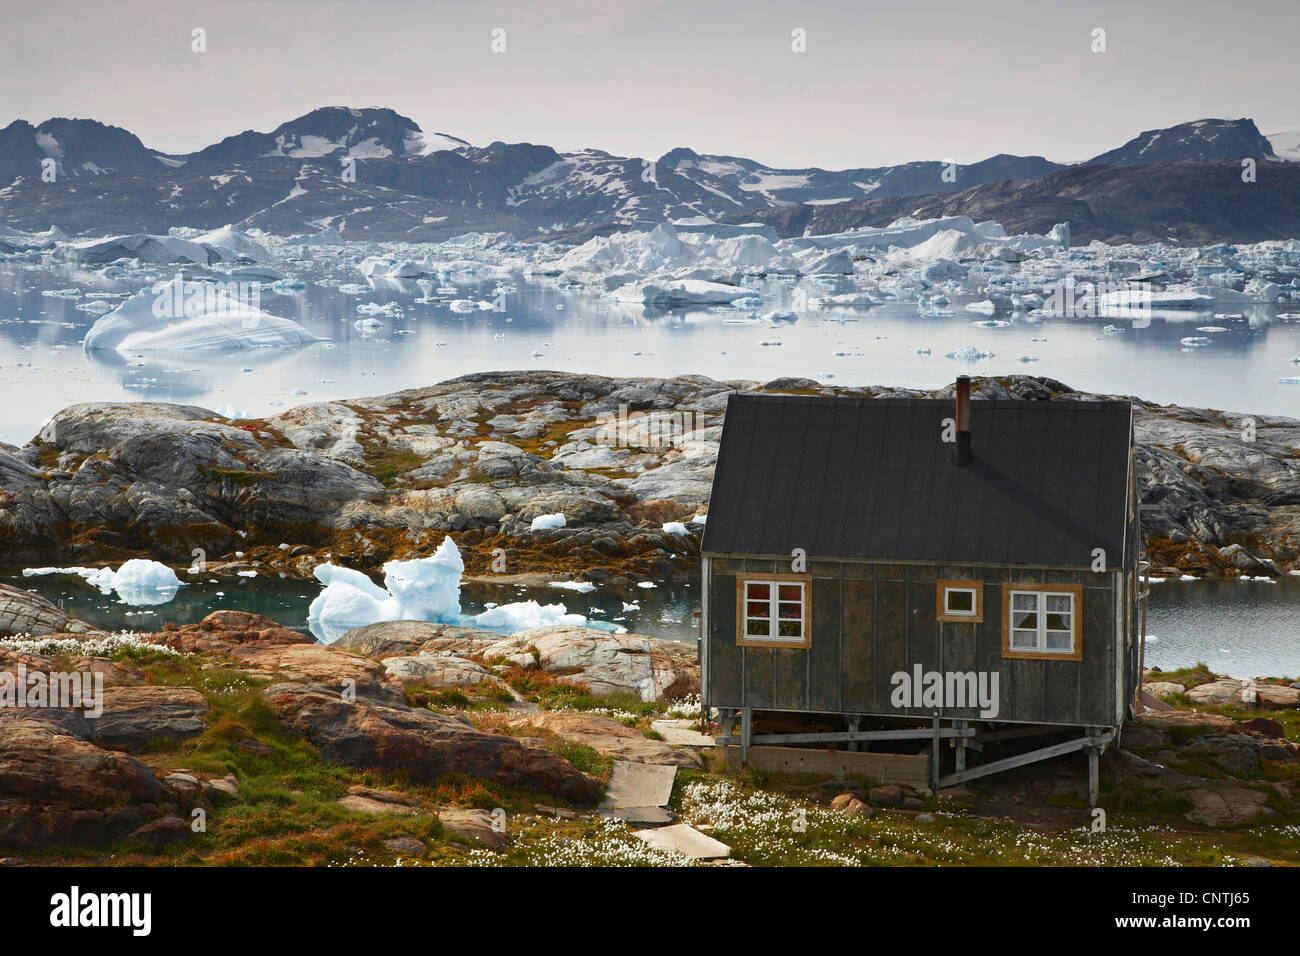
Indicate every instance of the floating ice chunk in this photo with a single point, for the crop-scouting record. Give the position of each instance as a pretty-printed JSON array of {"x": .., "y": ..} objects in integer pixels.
[
  {"x": 423, "y": 589},
  {"x": 138, "y": 582},
  {"x": 546, "y": 522},
  {"x": 261, "y": 273},
  {"x": 700, "y": 519},
  {"x": 833, "y": 263},
  {"x": 246, "y": 574},
  {"x": 580, "y": 586},
  {"x": 374, "y": 308},
  {"x": 526, "y": 614},
  {"x": 675, "y": 527},
  {"x": 969, "y": 353},
  {"x": 180, "y": 315},
  {"x": 1195, "y": 340},
  {"x": 1145, "y": 298},
  {"x": 682, "y": 292},
  {"x": 646, "y": 584},
  {"x": 234, "y": 245}
]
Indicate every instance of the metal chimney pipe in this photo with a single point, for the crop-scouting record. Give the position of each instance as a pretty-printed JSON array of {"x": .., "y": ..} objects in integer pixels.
[{"x": 962, "y": 453}]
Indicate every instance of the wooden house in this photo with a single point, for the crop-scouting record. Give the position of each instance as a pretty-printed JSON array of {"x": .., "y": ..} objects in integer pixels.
[{"x": 932, "y": 574}]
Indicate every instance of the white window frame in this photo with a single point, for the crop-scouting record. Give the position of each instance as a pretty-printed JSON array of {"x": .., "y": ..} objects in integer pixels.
[
  {"x": 774, "y": 637},
  {"x": 958, "y": 612},
  {"x": 1041, "y": 630},
  {"x": 973, "y": 587}
]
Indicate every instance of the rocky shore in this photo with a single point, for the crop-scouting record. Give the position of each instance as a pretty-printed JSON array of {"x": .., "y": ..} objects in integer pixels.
[{"x": 483, "y": 455}]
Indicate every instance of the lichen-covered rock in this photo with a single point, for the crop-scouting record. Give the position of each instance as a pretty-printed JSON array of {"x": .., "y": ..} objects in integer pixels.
[
  {"x": 427, "y": 745},
  {"x": 56, "y": 789},
  {"x": 603, "y": 661},
  {"x": 22, "y": 612}
]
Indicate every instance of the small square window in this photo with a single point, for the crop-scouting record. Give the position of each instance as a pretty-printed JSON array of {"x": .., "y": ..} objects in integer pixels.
[{"x": 960, "y": 601}]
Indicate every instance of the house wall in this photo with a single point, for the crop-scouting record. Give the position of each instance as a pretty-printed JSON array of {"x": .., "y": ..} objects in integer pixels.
[{"x": 872, "y": 619}]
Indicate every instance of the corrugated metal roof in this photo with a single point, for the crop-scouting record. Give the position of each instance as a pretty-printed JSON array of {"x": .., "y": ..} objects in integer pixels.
[{"x": 871, "y": 478}]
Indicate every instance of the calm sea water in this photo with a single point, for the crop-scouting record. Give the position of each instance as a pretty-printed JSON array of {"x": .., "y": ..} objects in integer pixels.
[
  {"x": 1249, "y": 629},
  {"x": 43, "y": 369}
]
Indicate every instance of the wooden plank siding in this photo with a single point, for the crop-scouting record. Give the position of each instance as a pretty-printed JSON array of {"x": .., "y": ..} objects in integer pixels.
[{"x": 872, "y": 619}]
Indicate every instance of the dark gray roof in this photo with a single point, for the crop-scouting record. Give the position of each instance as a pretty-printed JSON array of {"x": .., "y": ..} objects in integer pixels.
[{"x": 870, "y": 478}]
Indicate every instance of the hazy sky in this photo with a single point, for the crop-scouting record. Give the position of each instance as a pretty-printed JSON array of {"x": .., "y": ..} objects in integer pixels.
[{"x": 881, "y": 82}]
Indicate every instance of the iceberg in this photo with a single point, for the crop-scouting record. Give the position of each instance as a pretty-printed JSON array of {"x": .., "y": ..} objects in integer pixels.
[
  {"x": 234, "y": 245},
  {"x": 525, "y": 614},
  {"x": 421, "y": 589},
  {"x": 156, "y": 249},
  {"x": 181, "y": 315},
  {"x": 683, "y": 292},
  {"x": 138, "y": 582},
  {"x": 547, "y": 522}
]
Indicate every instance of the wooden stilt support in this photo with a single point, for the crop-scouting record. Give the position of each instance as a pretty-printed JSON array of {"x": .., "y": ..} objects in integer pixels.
[
  {"x": 935, "y": 743},
  {"x": 746, "y": 726},
  {"x": 1094, "y": 775}
]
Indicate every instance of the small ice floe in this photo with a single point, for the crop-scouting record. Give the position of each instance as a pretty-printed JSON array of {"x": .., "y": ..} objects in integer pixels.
[
  {"x": 138, "y": 582},
  {"x": 468, "y": 305},
  {"x": 675, "y": 527},
  {"x": 546, "y": 522},
  {"x": 632, "y": 606},
  {"x": 969, "y": 353},
  {"x": 522, "y": 615},
  {"x": 1290, "y": 380},
  {"x": 1156, "y": 580},
  {"x": 1027, "y": 358},
  {"x": 367, "y": 325},
  {"x": 991, "y": 323},
  {"x": 374, "y": 308},
  {"x": 921, "y": 351},
  {"x": 1188, "y": 577},
  {"x": 1210, "y": 328},
  {"x": 646, "y": 584},
  {"x": 354, "y": 288},
  {"x": 1152, "y": 639},
  {"x": 1112, "y": 330},
  {"x": 1194, "y": 341},
  {"x": 700, "y": 519},
  {"x": 581, "y": 586},
  {"x": 247, "y": 574}
]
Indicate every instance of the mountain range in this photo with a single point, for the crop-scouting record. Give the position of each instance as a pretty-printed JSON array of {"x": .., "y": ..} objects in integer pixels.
[{"x": 374, "y": 174}]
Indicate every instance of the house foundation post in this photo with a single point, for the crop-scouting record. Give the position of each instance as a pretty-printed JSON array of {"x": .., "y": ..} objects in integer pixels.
[
  {"x": 1094, "y": 775},
  {"x": 935, "y": 743},
  {"x": 746, "y": 726}
]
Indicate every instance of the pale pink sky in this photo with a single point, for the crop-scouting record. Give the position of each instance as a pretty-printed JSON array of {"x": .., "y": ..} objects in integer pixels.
[{"x": 881, "y": 82}]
